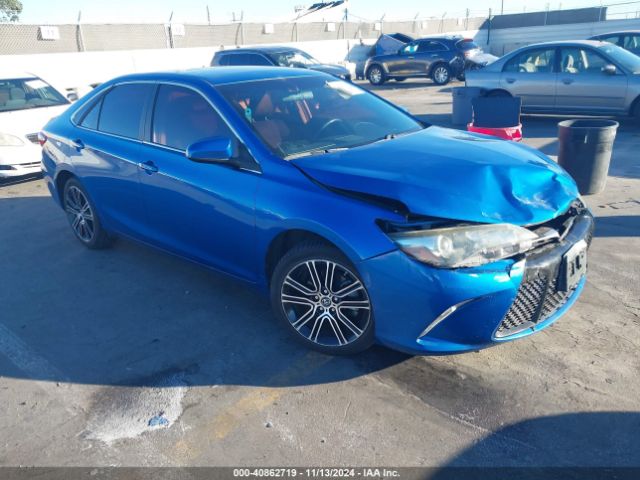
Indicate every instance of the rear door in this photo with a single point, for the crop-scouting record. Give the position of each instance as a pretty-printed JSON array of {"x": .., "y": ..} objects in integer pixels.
[
  {"x": 429, "y": 53},
  {"x": 531, "y": 75},
  {"x": 105, "y": 152},
  {"x": 582, "y": 85},
  {"x": 403, "y": 64}
]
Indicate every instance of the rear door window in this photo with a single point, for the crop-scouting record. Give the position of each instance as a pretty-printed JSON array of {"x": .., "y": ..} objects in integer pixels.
[
  {"x": 90, "y": 119},
  {"x": 540, "y": 60},
  {"x": 247, "y": 59},
  {"x": 182, "y": 116},
  {"x": 122, "y": 109},
  {"x": 430, "y": 46}
]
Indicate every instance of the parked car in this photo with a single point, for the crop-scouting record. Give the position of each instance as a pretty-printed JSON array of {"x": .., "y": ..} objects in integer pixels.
[
  {"x": 438, "y": 58},
  {"x": 387, "y": 43},
  {"x": 26, "y": 103},
  {"x": 278, "y": 57},
  {"x": 571, "y": 77},
  {"x": 629, "y": 40},
  {"x": 362, "y": 223}
]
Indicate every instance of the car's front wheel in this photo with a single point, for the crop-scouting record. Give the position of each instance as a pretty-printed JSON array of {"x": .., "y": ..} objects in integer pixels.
[
  {"x": 376, "y": 75},
  {"x": 441, "y": 74},
  {"x": 317, "y": 293},
  {"x": 82, "y": 216}
]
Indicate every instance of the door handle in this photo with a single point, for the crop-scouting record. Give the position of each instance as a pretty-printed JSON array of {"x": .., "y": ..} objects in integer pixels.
[
  {"x": 148, "y": 167},
  {"x": 77, "y": 144},
  {"x": 511, "y": 80},
  {"x": 567, "y": 81}
]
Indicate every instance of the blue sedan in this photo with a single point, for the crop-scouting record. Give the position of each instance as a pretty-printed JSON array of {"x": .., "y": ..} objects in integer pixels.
[{"x": 362, "y": 223}]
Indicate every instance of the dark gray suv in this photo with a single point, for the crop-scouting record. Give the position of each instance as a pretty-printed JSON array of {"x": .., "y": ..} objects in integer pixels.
[
  {"x": 438, "y": 58},
  {"x": 278, "y": 57}
]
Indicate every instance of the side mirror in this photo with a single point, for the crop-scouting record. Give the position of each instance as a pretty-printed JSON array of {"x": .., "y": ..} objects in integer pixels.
[
  {"x": 213, "y": 150},
  {"x": 72, "y": 96},
  {"x": 609, "y": 69}
]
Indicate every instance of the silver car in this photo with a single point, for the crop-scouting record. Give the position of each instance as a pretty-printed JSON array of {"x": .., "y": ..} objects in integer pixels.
[{"x": 571, "y": 77}]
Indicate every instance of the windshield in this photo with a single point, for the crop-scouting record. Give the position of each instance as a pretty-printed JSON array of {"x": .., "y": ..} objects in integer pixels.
[
  {"x": 24, "y": 93},
  {"x": 294, "y": 58},
  {"x": 625, "y": 58},
  {"x": 310, "y": 115}
]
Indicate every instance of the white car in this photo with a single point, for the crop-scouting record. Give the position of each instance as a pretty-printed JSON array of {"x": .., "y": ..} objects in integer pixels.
[{"x": 27, "y": 103}]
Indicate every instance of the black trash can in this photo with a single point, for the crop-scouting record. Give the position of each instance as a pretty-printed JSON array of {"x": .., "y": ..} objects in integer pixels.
[
  {"x": 461, "y": 108},
  {"x": 585, "y": 151}
]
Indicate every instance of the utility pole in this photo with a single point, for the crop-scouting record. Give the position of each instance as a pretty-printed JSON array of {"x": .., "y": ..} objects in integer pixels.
[
  {"x": 208, "y": 16},
  {"x": 502, "y": 7}
]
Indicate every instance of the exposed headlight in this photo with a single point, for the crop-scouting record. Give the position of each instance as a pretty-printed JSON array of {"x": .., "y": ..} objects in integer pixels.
[
  {"x": 466, "y": 246},
  {"x": 7, "y": 140}
]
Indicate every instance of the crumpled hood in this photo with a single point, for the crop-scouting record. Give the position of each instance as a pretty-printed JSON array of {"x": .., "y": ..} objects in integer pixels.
[
  {"x": 335, "y": 70},
  {"x": 451, "y": 174}
]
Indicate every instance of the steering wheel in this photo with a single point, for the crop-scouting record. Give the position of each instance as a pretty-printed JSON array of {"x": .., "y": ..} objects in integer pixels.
[{"x": 331, "y": 124}]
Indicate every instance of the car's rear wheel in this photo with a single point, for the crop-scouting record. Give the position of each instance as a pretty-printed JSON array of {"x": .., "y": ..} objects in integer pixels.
[
  {"x": 317, "y": 293},
  {"x": 636, "y": 112},
  {"x": 441, "y": 74},
  {"x": 82, "y": 217},
  {"x": 376, "y": 75},
  {"x": 498, "y": 93}
]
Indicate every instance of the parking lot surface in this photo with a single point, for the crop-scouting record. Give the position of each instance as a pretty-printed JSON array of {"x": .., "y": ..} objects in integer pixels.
[{"x": 129, "y": 356}]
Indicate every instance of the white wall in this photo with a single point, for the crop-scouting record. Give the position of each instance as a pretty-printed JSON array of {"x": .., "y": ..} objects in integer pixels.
[
  {"x": 508, "y": 39},
  {"x": 77, "y": 70}
]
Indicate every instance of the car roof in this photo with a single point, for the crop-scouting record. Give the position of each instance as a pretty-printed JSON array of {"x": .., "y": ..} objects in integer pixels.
[
  {"x": 11, "y": 73},
  {"x": 219, "y": 76},
  {"x": 617, "y": 32},
  {"x": 589, "y": 43},
  {"x": 265, "y": 49}
]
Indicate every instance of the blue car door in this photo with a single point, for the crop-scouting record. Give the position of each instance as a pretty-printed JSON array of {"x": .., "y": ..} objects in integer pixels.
[
  {"x": 204, "y": 211},
  {"x": 104, "y": 150}
]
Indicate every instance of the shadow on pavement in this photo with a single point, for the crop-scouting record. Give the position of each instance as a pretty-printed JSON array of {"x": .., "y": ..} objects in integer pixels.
[
  {"x": 132, "y": 315},
  {"x": 618, "y": 226},
  {"x": 571, "y": 445}
]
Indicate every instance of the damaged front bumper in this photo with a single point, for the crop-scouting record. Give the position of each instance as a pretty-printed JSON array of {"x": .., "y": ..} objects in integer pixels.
[{"x": 421, "y": 309}]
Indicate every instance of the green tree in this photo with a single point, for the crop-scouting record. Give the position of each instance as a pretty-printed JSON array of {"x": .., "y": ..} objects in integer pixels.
[{"x": 10, "y": 10}]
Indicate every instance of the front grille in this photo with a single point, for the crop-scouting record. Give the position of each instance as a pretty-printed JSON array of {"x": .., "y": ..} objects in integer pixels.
[
  {"x": 32, "y": 137},
  {"x": 554, "y": 300},
  {"x": 536, "y": 301}
]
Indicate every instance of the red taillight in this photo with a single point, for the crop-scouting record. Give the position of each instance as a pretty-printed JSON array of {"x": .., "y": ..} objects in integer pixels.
[{"x": 42, "y": 138}]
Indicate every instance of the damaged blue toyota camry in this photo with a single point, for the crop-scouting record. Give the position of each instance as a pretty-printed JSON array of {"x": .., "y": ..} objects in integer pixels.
[{"x": 362, "y": 223}]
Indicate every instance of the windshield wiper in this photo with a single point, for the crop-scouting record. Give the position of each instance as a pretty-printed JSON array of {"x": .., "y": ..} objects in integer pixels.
[{"x": 315, "y": 151}]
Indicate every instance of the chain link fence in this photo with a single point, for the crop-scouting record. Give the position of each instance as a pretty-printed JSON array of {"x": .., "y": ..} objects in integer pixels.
[{"x": 16, "y": 38}]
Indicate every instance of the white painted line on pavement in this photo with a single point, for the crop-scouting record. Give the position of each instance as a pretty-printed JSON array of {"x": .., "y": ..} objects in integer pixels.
[{"x": 23, "y": 357}]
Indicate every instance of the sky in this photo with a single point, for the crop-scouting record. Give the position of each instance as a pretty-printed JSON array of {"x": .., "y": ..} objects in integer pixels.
[{"x": 187, "y": 11}]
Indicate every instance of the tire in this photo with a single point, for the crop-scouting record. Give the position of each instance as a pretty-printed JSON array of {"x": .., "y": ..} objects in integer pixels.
[
  {"x": 498, "y": 93},
  {"x": 400, "y": 79},
  {"x": 441, "y": 74},
  {"x": 333, "y": 317},
  {"x": 376, "y": 75},
  {"x": 83, "y": 218},
  {"x": 635, "y": 114}
]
